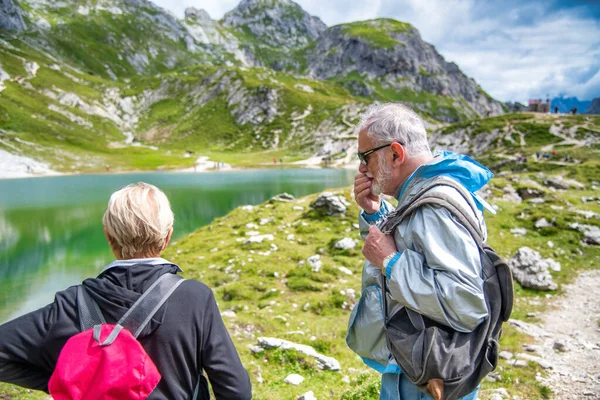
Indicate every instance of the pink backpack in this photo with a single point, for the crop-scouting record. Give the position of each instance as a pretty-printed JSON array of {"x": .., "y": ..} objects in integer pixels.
[{"x": 106, "y": 361}]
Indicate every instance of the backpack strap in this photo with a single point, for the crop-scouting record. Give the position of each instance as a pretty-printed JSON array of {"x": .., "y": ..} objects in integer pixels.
[
  {"x": 89, "y": 312},
  {"x": 468, "y": 218},
  {"x": 142, "y": 311}
]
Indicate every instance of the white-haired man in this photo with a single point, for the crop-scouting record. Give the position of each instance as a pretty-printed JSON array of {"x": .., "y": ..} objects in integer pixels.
[
  {"x": 184, "y": 339},
  {"x": 431, "y": 262}
]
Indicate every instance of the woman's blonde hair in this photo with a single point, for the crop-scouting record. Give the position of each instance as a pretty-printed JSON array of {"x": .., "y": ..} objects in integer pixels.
[{"x": 138, "y": 220}]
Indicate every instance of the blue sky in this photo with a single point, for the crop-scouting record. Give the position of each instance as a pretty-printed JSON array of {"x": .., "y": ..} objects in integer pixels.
[{"x": 514, "y": 49}]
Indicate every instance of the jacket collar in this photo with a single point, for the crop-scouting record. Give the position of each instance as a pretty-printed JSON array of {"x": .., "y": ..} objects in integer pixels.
[{"x": 134, "y": 261}]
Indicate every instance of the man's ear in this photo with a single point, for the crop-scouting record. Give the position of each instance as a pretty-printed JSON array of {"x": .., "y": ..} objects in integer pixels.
[{"x": 398, "y": 154}]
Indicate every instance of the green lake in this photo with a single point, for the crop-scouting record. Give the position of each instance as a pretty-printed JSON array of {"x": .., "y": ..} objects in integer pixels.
[{"x": 51, "y": 234}]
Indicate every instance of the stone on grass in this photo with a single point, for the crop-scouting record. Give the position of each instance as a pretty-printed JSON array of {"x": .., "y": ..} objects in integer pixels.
[
  {"x": 228, "y": 314},
  {"x": 510, "y": 194},
  {"x": 345, "y": 244},
  {"x": 559, "y": 182},
  {"x": 323, "y": 362},
  {"x": 315, "y": 262},
  {"x": 542, "y": 223},
  {"x": 519, "y": 231},
  {"x": 345, "y": 270},
  {"x": 283, "y": 197},
  {"x": 331, "y": 204},
  {"x": 531, "y": 270},
  {"x": 591, "y": 233},
  {"x": 294, "y": 379},
  {"x": 258, "y": 238},
  {"x": 307, "y": 396}
]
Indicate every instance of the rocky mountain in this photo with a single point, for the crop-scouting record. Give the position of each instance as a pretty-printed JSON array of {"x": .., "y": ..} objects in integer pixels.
[
  {"x": 565, "y": 104},
  {"x": 273, "y": 30},
  {"x": 95, "y": 78},
  {"x": 594, "y": 108},
  {"x": 515, "y": 107},
  {"x": 388, "y": 59},
  {"x": 10, "y": 16}
]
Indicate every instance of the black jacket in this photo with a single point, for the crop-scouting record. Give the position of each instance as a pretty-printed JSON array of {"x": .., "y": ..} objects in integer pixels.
[{"x": 184, "y": 338}]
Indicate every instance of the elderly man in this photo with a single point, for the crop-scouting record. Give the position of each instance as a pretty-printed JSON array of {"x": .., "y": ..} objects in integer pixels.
[
  {"x": 184, "y": 339},
  {"x": 432, "y": 264}
]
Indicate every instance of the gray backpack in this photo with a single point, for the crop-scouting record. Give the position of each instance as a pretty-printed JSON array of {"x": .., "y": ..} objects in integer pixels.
[{"x": 427, "y": 350}]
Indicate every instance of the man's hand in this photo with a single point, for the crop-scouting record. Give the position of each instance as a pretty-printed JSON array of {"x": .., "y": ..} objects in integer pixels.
[
  {"x": 363, "y": 196},
  {"x": 378, "y": 246}
]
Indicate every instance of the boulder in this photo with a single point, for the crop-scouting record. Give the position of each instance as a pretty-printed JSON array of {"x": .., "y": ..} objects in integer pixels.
[
  {"x": 591, "y": 233},
  {"x": 531, "y": 270},
  {"x": 294, "y": 379},
  {"x": 323, "y": 362},
  {"x": 345, "y": 244},
  {"x": 331, "y": 204}
]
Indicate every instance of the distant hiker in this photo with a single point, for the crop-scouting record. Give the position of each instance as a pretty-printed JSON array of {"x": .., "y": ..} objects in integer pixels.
[
  {"x": 427, "y": 264},
  {"x": 184, "y": 338},
  {"x": 555, "y": 110},
  {"x": 573, "y": 111}
]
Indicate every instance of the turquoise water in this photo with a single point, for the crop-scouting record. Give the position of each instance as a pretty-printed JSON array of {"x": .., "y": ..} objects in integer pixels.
[{"x": 51, "y": 234}]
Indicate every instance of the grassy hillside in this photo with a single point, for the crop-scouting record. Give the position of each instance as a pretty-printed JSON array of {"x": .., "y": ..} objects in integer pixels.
[
  {"x": 76, "y": 121},
  {"x": 273, "y": 291}
]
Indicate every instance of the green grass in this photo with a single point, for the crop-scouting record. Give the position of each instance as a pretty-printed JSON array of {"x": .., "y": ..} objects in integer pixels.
[
  {"x": 377, "y": 32},
  {"x": 277, "y": 295}
]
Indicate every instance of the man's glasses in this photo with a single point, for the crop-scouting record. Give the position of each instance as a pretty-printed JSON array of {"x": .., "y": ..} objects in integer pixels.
[{"x": 363, "y": 156}]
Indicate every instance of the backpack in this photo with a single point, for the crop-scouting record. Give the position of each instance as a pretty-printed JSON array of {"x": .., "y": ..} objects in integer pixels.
[
  {"x": 428, "y": 351},
  {"x": 106, "y": 361}
]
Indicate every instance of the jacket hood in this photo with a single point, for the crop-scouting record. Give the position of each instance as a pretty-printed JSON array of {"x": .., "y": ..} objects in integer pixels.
[
  {"x": 116, "y": 289},
  {"x": 463, "y": 169}
]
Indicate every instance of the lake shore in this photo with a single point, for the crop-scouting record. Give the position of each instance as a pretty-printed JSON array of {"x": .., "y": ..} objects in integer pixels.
[{"x": 20, "y": 167}]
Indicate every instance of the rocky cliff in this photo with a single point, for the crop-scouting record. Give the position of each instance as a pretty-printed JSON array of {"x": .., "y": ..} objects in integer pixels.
[
  {"x": 594, "y": 108},
  {"x": 385, "y": 55},
  {"x": 10, "y": 16}
]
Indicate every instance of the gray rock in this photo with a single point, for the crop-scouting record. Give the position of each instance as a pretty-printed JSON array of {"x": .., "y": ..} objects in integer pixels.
[
  {"x": 197, "y": 14},
  {"x": 531, "y": 270},
  {"x": 330, "y": 204},
  {"x": 519, "y": 231},
  {"x": 315, "y": 262},
  {"x": 307, "y": 396},
  {"x": 543, "y": 223},
  {"x": 228, "y": 314},
  {"x": 283, "y": 197},
  {"x": 510, "y": 194},
  {"x": 505, "y": 355},
  {"x": 538, "y": 360},
  {"x": 345, "y": 244},
  {"x": 559, "y": 182},
  {"x": 409, "y": 64},
  {"x": 278, "y": 23},
  {"x": 10, "y": 16},
  {"x": 560, "y": 346},
  {"x": 323, "y": 362},
  {"x": 529, "y": 193},
  {"x": 591, "y": 232},
  {"x": 537, "y": 200},
  {"x": 294, "y": 379}
]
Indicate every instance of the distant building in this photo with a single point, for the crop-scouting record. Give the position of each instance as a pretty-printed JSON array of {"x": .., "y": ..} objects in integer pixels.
[{"x": 538, "y": 105}]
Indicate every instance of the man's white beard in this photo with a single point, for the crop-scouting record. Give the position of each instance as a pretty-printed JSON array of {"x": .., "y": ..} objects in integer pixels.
[
  {"x": 383, "y": 176},
  {"x": 375, "y": 188}
]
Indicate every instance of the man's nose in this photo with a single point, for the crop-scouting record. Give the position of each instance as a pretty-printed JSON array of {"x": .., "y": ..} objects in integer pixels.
[{"x": 362, "y": 168}]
